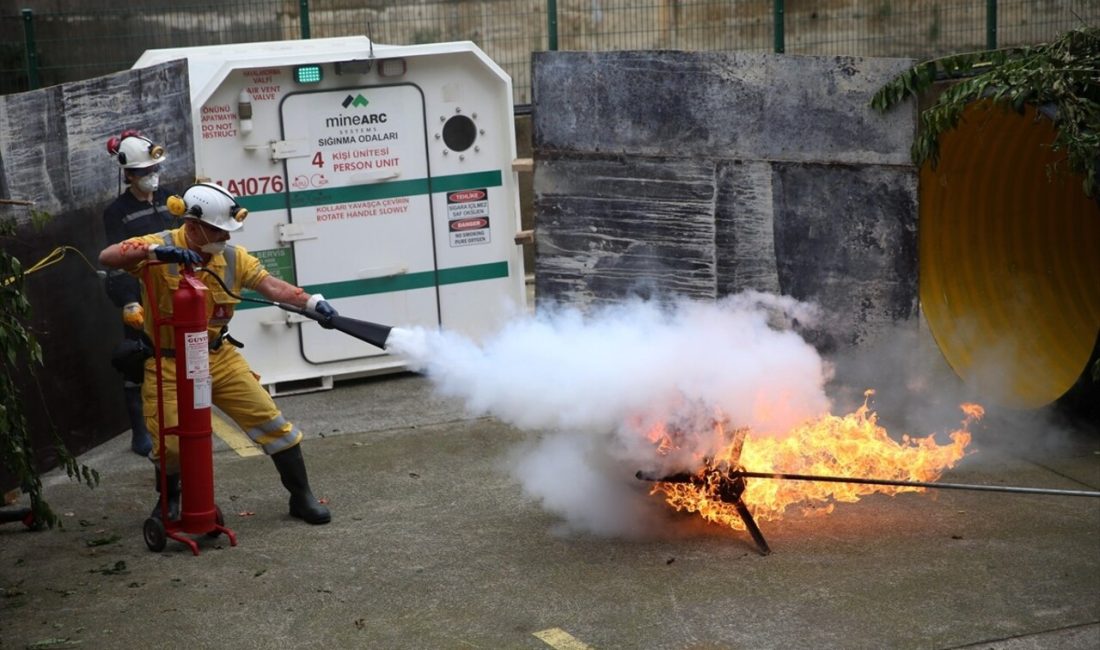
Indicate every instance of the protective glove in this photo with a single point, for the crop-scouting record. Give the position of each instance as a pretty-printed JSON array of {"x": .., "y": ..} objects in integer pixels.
[
  {"x": 320, "y": 306},
  {"x": 165, "y": 253},
  {"x": 133, "y": 315}
]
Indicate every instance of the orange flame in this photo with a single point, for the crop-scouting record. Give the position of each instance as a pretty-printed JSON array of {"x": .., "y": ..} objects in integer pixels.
[{"x": 850, "y": 446}]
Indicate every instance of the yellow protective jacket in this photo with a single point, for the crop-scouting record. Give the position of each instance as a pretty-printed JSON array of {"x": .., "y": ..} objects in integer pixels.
[{"x": 235, "y": 266}]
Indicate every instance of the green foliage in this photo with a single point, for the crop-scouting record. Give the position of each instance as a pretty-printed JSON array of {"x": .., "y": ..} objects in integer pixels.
[
  {"x": 19, "y": 351},
  {"x": 1063, "y": 75},
  {"x": 39, "y": 218}
]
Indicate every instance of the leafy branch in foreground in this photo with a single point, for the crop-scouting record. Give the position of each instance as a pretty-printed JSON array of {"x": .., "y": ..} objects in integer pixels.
[
  {"x": 1063, "y": 75},
  {"x": 19, "y": 351}
]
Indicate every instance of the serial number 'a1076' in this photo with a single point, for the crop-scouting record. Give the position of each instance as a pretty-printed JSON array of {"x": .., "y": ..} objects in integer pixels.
[{"x": 253, "y": 185}]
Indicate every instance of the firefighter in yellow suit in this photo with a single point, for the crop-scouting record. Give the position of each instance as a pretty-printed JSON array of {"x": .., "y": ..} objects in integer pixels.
[{"x": 210, "y": 214}]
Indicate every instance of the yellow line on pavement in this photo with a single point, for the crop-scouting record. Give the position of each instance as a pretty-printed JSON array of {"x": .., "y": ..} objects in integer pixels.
[
  {"x": 233, "y": 436},
  {"x": 559, "y": 639}
]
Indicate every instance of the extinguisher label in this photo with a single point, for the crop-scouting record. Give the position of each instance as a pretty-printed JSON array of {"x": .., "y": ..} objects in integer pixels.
[
  {"x": 202, "y": 392},
  {"x": 196, "y": 354}
]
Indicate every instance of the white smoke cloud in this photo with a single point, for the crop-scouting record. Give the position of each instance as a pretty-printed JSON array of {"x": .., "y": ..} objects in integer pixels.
[{"x": 594, "y": 384}]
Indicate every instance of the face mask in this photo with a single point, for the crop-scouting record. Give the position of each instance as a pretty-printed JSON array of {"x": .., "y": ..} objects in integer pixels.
[
  {"x": 148, "y": 183},
  {"x": 213, "y": 248}
]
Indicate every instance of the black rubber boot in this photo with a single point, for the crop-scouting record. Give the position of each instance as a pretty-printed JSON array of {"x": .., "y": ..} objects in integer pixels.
[
  {"x": 292, "y": 471},
  {"x": 173, "y": 497},
  {"x": 140, "y": 442}
]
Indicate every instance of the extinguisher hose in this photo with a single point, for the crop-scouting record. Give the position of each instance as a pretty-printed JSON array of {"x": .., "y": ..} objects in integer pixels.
[
  {"x": 374, "y": 333},
  {"x": 281, "y": 305}
]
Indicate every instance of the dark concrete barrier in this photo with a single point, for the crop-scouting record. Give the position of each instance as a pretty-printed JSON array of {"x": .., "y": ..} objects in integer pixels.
[
  {"x": 701, "y": 174},
  {"x": 53, "y": 152}
]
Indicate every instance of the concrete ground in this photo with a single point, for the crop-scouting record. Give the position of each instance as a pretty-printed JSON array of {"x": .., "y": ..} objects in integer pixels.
[{"x": 433, "y": 545}]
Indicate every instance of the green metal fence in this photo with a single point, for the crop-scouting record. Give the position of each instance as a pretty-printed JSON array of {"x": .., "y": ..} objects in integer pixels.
[{"x": 40, "y": 48}]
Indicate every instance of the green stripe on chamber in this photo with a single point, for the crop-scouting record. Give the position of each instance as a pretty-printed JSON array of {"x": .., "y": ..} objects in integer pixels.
[
  {"x": 466, "y": 181},
  {"x": 372, "y": 191},
  {"x": 404, "y": 282}
]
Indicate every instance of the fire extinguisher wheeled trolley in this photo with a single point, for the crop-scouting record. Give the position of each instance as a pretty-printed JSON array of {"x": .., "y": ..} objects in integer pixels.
[{"x": 198, "y": 514}]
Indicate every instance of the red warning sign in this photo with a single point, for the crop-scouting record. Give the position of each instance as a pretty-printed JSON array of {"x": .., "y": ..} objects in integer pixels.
[{"x": 468, "y": 217}]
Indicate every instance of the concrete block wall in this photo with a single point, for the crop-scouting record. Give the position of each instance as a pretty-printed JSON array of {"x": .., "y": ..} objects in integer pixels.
[{"x": 701, "y": 174}]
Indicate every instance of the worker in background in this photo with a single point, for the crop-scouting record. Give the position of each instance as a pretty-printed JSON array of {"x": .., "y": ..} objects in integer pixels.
[
  {"x": 138, "y": 210},
  {"x": 210, "y": 214}
]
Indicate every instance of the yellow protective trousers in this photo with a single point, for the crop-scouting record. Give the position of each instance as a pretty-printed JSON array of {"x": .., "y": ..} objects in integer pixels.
[{"x": 235, "y": 390}]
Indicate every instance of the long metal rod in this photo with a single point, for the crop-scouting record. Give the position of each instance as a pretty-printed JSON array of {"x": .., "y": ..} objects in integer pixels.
[
  {"x": 30, "y": 46},
  {"x": 552, "y": 25},
  {"x": 779, "y": 19},
  {"x": 920, "y": 484},
  {"x": 753, "y": 529}
]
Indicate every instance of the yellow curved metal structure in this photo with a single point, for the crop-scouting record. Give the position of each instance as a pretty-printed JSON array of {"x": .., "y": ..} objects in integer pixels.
[{"x": 1009, "y": 258}]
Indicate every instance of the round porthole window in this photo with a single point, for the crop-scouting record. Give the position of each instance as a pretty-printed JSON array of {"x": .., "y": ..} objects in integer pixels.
[{"x": 459, "y": 133}]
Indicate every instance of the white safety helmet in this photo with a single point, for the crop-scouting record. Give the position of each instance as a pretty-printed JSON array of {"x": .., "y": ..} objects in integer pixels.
[
  {"x": 135, "y": 151},
  {"x": 210, "y": 204}
]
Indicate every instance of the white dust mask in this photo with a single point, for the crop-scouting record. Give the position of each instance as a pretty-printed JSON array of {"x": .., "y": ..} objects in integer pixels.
[
  {"x": 213, "y": 247},
  {"x": 149, "y": 183}
]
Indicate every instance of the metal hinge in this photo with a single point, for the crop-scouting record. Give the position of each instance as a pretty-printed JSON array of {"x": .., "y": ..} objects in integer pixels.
[
  {"x": 285, "y": 318},
  {"x": 291, "y": 232},
  {"x": 283, "y": 149}
]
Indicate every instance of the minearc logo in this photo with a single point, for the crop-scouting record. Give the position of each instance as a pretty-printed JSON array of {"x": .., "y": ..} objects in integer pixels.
[{"x": 358, "y": 100}]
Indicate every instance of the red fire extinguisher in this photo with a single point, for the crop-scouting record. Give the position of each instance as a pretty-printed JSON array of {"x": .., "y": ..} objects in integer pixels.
[{"x": 198, "y": 512}]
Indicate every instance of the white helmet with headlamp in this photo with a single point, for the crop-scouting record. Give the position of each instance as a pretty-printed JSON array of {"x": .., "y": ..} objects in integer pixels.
[
  {"x": 210, "y": 204},
  {"x": 139, "y": 157},
  {"x": 135, "y": 151}
]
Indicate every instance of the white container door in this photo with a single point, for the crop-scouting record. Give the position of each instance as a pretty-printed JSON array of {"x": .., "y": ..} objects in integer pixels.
[{"x": 358, "y": 192}]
